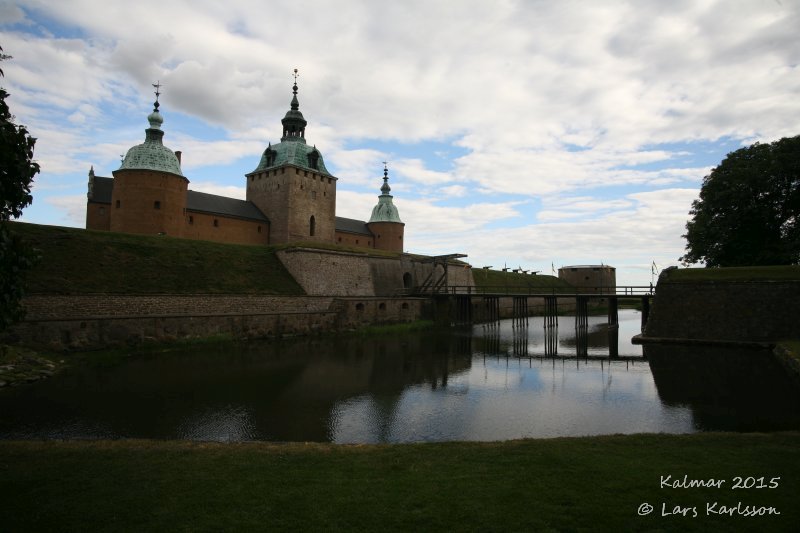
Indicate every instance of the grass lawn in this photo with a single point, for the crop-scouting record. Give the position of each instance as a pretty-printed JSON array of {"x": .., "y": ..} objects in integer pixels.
[{"x": 575, "y": 484}]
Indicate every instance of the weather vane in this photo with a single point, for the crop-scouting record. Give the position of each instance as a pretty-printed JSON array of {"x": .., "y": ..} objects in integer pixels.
[{"x": 157, "y": 85}]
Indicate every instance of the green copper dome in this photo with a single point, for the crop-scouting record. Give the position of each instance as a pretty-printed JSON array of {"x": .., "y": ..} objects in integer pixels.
[
  {"x": 292, "y": 153},
  {"x": 385, "y": 211},
  {"x": 152, "y": 154}
]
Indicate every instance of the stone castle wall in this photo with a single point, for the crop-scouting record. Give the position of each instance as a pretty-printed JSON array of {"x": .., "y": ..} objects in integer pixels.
[
  {"x": 333, "y": 273},
  {"x": 289, "y": 197},
  {"x": 86, "y": 322},
  {"x": 728, "y": 311}
]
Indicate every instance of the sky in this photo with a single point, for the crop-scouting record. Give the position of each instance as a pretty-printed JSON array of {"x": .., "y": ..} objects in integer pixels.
[{"x": 527, "y": 134}]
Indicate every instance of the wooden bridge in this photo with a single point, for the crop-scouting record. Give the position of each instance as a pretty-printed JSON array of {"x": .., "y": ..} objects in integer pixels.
[{"x": 469, "y": 304}]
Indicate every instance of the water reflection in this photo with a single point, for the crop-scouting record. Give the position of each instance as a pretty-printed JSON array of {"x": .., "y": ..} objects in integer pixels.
[
  {"x": 727, "y": 389},
  {"x": 489, "y": 382}
]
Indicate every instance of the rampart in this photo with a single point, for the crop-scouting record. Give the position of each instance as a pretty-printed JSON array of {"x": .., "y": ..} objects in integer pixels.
[
  {"x": 740, "y": 311},
  {"x": 336, "y": 273},
  {"x": 86, "y": 322}
]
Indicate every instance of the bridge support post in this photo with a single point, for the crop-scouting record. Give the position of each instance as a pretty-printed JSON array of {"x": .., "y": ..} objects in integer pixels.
[
  {"x": 645, "y": 311},
  {"x": 520, "y": 311},
  {"x": 550, "y": 312},
  {"x": 613, "y": 311}
]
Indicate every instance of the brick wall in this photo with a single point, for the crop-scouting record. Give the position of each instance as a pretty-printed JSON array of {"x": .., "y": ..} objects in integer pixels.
[
  {"x": 226, "y": 229},
  {"x": 149, "y": 202}
]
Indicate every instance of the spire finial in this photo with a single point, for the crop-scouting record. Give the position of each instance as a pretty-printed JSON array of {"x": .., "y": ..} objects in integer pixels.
[
  {"x": 157, "y": 85},
  {"x": 295, "y": 103},
  {"x": 385, "y": 189}
]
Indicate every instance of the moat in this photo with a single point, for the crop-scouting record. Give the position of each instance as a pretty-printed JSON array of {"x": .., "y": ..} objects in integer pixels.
[{"x": 489, "y": 382}]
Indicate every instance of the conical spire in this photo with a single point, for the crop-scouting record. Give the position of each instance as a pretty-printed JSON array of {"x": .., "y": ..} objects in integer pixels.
[{"x": 294, "y": 125}]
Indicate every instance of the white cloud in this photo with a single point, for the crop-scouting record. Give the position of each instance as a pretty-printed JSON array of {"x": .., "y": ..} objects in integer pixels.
[{"x": 71, "y": 208}]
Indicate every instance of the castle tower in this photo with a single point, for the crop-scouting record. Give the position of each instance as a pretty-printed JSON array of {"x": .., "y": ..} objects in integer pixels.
[
  {"x": 149, "y": 194},
  {"x": 292, "y": 187},
  {"x": 385, "y": 223}
]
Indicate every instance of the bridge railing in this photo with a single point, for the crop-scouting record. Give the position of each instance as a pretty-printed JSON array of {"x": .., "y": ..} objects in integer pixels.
[{"x": 502, "y": 290}]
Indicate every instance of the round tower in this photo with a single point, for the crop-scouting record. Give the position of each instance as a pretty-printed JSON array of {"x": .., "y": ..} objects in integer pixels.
[
  {"x": 385, "y": 223},
  {"x": 149, "y": 194}
]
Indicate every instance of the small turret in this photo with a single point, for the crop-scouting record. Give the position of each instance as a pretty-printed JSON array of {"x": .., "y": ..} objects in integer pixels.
[{"x": 385, "y": 223}]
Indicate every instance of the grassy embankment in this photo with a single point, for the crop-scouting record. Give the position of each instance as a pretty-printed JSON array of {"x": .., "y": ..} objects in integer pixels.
[
  {"x": 487, "y": 280},
  {"x": 76, "y": 261},
  {"x": 756, "y": 273},
  {"x": 577, "y": 484}
]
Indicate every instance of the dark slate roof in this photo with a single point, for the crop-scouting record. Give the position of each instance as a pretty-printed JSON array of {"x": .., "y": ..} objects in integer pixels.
[
  {"x": 101, "y": 191},
  {"x": 195, "y": 201},
  {"x": 350, "y": 225},
  {"x": 222, "y": 205}
]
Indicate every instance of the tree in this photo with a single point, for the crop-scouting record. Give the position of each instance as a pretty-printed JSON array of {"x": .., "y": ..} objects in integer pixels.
[
  {"x": 17, "y": 170},
  {"x": 748, "y": 209}
]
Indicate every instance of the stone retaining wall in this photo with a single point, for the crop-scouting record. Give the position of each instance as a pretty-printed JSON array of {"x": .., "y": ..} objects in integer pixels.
[
  {"x": 725, "y": 311},
  {"x": 41, "y": 307},
  {"x": 88, "y": 322},
  {"x": 334, "y": 273}
]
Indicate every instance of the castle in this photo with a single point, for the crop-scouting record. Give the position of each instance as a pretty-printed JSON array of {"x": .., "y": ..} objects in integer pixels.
[{"x": 291, "y": 197}]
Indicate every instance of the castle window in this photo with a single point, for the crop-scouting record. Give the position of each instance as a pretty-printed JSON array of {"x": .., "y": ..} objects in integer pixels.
[
  {"x": 382, "y": 306},
  {"x": 356, "y": 241},
  {"x": 283, "y": 170},
  {"x": 313, "y": 195},
  {"x": 312, "y": 226},
  {"x": 340, "y": 239},
  {"x": 117, "y": 204},
  {"x": 329, "y": 180},
  {"x": 359, "y": 307},
  {"x": 191, "y": 219},
  {"x": 102, "y": 210},
  {"x": 259, "y": 229},
  {"x": 305, "y": 173},
  {"x": 216, "y": 223},
  {"x": 405, "y": 305},
  {"x": 156, "y": 205}
]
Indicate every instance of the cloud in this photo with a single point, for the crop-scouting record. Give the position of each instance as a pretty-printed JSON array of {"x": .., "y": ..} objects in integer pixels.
[
  {"x": 71, "y": 208},
  {"x": 221, "y": 190}
]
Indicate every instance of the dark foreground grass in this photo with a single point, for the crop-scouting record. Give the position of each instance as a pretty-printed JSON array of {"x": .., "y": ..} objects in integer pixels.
[{"x": 584, "y": 484}]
